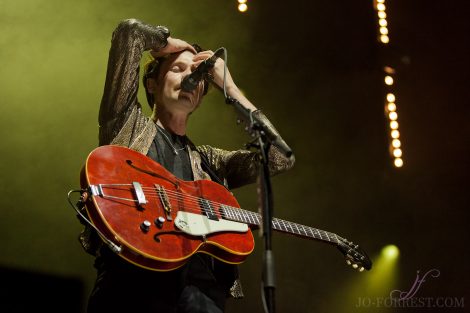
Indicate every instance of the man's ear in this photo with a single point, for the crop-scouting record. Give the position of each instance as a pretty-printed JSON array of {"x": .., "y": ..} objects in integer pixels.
[{"x": 151, "y": 85}]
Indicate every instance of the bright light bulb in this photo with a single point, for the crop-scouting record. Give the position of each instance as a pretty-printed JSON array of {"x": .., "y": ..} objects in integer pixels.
[
  {"x": 398, "y": 162},
  {"x": 395, "y": 134},
  {"x": 396, "y": 143},
  {"x": 241, "y": 1},
  {"x": 391, "y": 107},
  {"x": 381, "y": 7},
  {"x": 397, "y": 153},
  {"x": 388, "y": 80},
  {"x": 384, "y": 30},
  {"x": 384, "y": 39},
  {"x": 242, "y": 7},
  {"x": 382, "y": 22},
  {"x": 390, "y": 97},
  {"x": 394, "y": 125},
  {"x": 393, "y": 116},
  {"x": 382, "y": 14}
]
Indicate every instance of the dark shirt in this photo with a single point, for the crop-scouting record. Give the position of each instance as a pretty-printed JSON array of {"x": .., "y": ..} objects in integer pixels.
[
  {"x": 202, "y": 270},
  {"x": 122, "y": 286}
]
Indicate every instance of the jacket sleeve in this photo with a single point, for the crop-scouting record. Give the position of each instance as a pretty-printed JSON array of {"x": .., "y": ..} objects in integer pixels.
[
  {"x": 129, "y": 40},
  {"x": 241, "y": 167}
]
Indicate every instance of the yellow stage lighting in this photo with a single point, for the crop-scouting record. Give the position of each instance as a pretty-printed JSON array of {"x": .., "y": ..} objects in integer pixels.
[
  {"x": 242, "y": 7},
  {"x": 398, "y": 162},
  {"x": 390, "y": 252},
  {"x": 397, "y": 153}
]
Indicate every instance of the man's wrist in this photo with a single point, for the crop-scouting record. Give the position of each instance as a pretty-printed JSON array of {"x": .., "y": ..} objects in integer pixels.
[{"x": 162, "y": 33}]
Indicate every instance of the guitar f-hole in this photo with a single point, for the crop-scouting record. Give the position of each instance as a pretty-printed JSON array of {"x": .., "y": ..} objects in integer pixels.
[{"x": 156, "y": 237}]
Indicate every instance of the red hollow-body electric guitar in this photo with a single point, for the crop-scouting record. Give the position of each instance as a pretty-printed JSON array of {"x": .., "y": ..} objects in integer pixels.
[{"x": 157, "y": 221}]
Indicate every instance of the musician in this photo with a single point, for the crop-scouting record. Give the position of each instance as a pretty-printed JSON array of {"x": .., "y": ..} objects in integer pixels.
[{"x": 203, "y": 283}]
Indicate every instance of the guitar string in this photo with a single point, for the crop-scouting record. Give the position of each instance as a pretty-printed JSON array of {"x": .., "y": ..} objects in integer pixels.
[
  {"x": 282, "y": 224},
  {"x": 247, "y": 216},
  {"x": 236, "y": 212}
]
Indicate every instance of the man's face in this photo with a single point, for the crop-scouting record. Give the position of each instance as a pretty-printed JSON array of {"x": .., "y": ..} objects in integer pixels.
[{"x": 169, "y": 95}]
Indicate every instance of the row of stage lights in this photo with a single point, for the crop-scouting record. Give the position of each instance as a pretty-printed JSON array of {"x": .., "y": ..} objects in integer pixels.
[
  {"x": 390, "y": 103},
  {"x": 242, "y": 6}
]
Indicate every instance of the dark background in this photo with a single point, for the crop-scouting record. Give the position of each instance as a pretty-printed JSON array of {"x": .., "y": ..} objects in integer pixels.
[{"x": 316, "y": 69}]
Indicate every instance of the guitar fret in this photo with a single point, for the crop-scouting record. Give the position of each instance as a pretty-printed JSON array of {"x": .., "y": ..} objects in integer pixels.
[
  {"x": 244, "y": 216},
  {"x": 319, "y": 234},
  {"x": 225, "y": 211},
  {"x": 284, "y": 224},
  {"x": 336, "y": 236},
  {"x": 298, "y": 230},
  {"x": 239, "y": 216},
  {"x": 291, "y": 226},
  {"x": 252, "y": 218},
  {"x": 248, "y": 217},
  {"x": 274, "y": 221},
  {"x": 311, "y": 231}
]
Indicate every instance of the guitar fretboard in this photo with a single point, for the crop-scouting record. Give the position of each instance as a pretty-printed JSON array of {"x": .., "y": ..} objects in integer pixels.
[{"x": 252, "y": 218}]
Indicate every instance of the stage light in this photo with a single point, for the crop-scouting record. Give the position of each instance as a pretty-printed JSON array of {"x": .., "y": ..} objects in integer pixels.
[
  {"x": 398, "y": 162},
  {"x": 397, "y": 153},
  {"x": 242, "y": 7},
  {"x": 391, "y": 107},
  {"x": 396, "y": 143},
  {"x": 390, "y": 252}
]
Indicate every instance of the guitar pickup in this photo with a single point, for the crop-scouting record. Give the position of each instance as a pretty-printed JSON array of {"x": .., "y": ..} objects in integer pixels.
[
  {"x": 164, "y": 201},
  {"x": 139, "y": 193},
  {"x": 207, "y": 209}
]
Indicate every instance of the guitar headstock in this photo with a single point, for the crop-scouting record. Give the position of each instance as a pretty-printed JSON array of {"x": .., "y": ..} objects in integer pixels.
[{"x": 355, "y": 256}]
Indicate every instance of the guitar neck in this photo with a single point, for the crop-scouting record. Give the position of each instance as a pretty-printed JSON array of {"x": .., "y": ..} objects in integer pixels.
[{"x": 252, "y": 218}]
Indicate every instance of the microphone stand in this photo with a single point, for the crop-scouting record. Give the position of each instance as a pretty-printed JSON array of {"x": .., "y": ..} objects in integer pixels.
[{"x": 262, "y": 143}]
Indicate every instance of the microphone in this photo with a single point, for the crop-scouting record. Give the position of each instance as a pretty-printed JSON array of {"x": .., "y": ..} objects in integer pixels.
[{"x": 191, "y": 81}]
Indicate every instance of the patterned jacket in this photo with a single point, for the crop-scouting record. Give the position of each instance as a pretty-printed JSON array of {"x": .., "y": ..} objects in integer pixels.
[{"x": 122, "y": 121}]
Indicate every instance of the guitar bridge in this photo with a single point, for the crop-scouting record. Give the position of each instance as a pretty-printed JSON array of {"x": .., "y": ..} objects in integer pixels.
[{"x": 165, "y": 201}]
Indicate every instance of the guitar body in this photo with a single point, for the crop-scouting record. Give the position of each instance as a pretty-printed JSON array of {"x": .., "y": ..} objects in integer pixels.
[{"x": 130, "y": 193}]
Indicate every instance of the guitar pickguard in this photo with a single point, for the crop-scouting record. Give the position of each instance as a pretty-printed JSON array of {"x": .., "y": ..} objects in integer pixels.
[{"x": 199, "y": 225}]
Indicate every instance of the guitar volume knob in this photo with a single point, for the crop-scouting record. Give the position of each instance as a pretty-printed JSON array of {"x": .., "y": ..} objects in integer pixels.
[
  {"x": 145, "y": 226},
  {"x": 159, "y": 221}
]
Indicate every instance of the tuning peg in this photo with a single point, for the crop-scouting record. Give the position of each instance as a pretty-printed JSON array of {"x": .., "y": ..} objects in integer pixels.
[
  {"x": 355, "y": 266},
  {"x": 348, "y": 262},
  {"x": 361, "y": 269}
]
